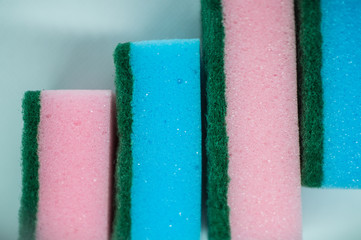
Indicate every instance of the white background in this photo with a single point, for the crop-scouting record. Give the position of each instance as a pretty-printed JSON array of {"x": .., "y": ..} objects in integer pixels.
[{"x": 47, "y": 44}]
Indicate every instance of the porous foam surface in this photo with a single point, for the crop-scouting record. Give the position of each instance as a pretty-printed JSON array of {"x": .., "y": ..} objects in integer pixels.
[
  {"x": 261, "y": 91},
  {"x": 166, "y": 140},
  {"x": 341, "y": 79},
  {"x": 75, "y": 138}
]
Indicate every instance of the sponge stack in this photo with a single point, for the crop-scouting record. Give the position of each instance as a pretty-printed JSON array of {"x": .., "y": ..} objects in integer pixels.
[
  {"x": 329, "y": 39},
  {"x": 252, "y": 130},
  {"x": 158, "y": 170},
  {"x": 67, "y": 158}
]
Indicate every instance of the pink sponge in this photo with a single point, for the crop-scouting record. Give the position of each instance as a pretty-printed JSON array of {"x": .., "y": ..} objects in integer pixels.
[
  {"x": 264, "y": 168},
  {"x": 75, "y": 138}
]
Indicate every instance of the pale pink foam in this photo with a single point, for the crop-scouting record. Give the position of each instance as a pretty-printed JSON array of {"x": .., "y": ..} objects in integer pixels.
[
  {"x": 75, "y": 154},
  {"x": 260, "y": 66}
]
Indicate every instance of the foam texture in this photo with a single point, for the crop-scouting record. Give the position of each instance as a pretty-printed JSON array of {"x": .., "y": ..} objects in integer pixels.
[
  {"x": 75, "y": 138},
  {"x": 261, "y": 90},
  {"x": 166, "y": 140},
  {"x": 341, "y": 79}
]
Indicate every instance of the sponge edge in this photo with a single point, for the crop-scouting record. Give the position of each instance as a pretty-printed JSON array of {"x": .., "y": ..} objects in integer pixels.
[
  {"x": 30, "y": 165},
  {"x": 123, "y": 167},
  {"x": 216, "y": 139},
  {"x": 310, "y": 91},
  {"x": 264, "y": 192},
  {"x": 75, "y": 139}
]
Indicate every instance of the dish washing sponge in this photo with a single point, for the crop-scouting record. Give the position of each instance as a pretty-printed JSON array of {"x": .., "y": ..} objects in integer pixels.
[
  {"x": 330, "y": 100},
  {"x": 67, "y": 161},
  {"x": 158, "y": 170},
  {"x": 252, "y": 129}
]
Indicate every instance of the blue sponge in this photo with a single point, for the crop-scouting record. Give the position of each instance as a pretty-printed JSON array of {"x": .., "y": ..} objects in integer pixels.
[
  {"x": 165, "y": 140},
  {"x": 341, "y": 80}
]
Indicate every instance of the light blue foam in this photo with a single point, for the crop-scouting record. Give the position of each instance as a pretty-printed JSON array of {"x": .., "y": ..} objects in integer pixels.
[
  {"x": 341, "y": 79},
  {"x": 166, "y": 140}
]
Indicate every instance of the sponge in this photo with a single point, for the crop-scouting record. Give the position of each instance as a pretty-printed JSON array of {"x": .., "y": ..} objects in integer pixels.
[
  {"x": 252, "y": 132},
  {"x": 67, "y": 159},
  {"x": 330, "y": 102},
  {"x": 158, "y": 170}
]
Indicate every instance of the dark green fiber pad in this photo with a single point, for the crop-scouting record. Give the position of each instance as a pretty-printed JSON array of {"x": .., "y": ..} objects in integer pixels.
[
  {"x": 30, "y": 166},
  {"x": 309, "y": 55},
  {"x": 123, "y": 168},
  {"x": 216, "y": 135}
]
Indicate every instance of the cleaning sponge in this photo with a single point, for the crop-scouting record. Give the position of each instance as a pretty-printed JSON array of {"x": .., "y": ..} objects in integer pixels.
[
  {"x": 67, "y": 159},
  {"x": 158, "y": 173},
  {"x": 252, "y": 136},
  {"x": 330, "y": 103}
]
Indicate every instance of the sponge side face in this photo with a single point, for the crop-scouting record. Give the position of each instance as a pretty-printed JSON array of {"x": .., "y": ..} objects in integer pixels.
[
  {"x": 75, "y": 156},
  {"x": 166, "y": 140},
  {"x": 310, "y": 91},
  {"x": 30, "y": 165},
  {"x": 123, "y": 168},
  {"x": 341, "y": 80},
  {"x": 264, "y": 192},
  {"x": 216, "y": 135}
]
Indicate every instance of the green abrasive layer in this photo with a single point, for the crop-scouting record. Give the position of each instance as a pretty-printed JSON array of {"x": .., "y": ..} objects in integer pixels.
[
  {"x": 309, "y": 54},
  {"x": 123, "y": 168},
  {"x": 216, "y": 139},
  {"x": 30, "y": 166}
]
